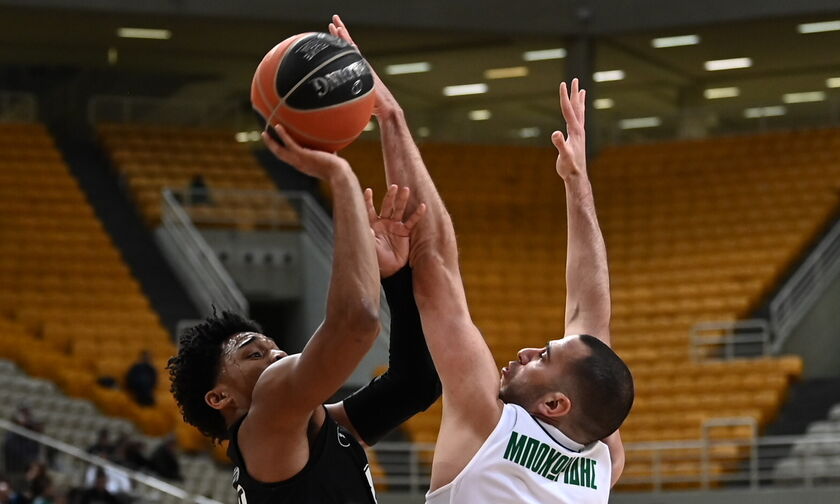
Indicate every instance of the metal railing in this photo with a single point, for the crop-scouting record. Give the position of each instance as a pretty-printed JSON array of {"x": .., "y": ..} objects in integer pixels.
[
  {"x": 277, "y": 210},
  {"x": 804, "y": 288},
  {"x": 154, "y": 484},
  {"x": 729, "y": 455},
  {"x": 199, "y": 262},
  {"x": 18, "y": 107},
  {"x": 151, "y": 110},
  {"x": 404, "y": 467},
  {"x": 730, "y": 339}
]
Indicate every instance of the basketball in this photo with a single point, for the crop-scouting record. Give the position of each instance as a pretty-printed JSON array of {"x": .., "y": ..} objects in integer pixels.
[{"x": 318, "y": 87}]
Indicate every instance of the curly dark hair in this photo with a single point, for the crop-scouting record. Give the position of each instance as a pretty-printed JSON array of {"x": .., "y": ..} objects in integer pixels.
[{"x": 195, "y": 370}]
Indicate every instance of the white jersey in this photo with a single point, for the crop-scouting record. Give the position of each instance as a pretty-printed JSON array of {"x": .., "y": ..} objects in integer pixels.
[{"x": 525, "y": 460}]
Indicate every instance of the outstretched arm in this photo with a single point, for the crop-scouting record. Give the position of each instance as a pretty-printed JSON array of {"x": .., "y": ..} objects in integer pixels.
[
  {"x": 351, "y": 323},
  {"x": 587, "y": 274},
  {"x": 466, "y": 366},
  {"x": 471, "y": 407},
  {"x": 410, "y": 384}
]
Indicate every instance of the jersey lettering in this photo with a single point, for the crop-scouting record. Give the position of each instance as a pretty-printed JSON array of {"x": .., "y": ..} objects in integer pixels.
[{"x": 544, "y": 460}]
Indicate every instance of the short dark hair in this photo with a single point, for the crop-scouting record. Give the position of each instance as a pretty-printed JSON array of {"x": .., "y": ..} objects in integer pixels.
[
  {"x": 604, "y": 388},
  {"x": 195, "y": 370}
]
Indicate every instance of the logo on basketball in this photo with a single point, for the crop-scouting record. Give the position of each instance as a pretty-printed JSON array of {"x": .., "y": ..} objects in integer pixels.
[
  {"x": 337, "y": 78},
  {"x": 312, "y": 47}
]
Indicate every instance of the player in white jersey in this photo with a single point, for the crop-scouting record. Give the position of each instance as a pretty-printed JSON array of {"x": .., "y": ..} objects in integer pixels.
[{"x": 533, "y": 435}]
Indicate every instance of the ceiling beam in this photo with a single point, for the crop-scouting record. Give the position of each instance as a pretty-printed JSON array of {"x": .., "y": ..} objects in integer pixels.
[{"x": 542, "y": 17}]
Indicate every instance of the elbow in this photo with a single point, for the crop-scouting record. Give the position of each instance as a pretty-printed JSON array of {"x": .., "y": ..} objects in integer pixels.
[
  {"x": 430, "y": 393},
  {"x": 358, "y": 320}
]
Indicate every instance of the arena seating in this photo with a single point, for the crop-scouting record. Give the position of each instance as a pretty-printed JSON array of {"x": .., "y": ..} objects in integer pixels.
[
  {"x": 77, "y": 422},
  {"x": 817, "y": 454},
  {"x": 696, "y": 231},
  {"x": 70, "y": 310},
  {"x": 149, "y": 158}
]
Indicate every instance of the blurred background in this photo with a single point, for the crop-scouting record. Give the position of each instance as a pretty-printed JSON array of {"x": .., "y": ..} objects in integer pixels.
[{"x": 135, "y": 194}]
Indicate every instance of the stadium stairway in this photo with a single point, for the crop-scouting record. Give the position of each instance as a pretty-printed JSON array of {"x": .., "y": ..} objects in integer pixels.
[
  {"x": 810, "y": 400},
  {"x": 121, "y": 220}
]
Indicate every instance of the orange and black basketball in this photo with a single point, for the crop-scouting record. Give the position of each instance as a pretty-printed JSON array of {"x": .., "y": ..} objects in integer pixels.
[{"x": 318, "y": 87}]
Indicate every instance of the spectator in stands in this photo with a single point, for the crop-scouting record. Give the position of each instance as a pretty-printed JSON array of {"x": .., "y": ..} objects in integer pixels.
[
  {"x": 7, "y": 493},
  {"x": 133, "y": 456},
  {"x": 103, "y": 445},
  {"x": 199, "y": 193},
  {"x": 37, "y": 486},
  {"x": 164, "y": 460},
  {"x": 142, "y": 379},
  {"x": 116, "y": 482},
  {"x": 19, "y": 452},
  {"x": 98, "y": 493}
]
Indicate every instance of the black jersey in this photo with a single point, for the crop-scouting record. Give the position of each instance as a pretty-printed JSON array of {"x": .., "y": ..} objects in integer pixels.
[{"x": 337, "y": 472}]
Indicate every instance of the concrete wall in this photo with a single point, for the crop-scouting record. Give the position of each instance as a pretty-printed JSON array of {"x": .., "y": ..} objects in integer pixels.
[
  {"x": 817, "y": 337},
  {"x": 316, "y": 278},
  {"x": 265, "y": 264}
]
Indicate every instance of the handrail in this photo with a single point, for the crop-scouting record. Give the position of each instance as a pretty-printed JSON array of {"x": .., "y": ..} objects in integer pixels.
[
  {"x": 713, "y": 461},
  {"x": 200, "y": 258},
  {"x": 804, "y": 288},
  {"x": 18, "y": 107},
  {"x": 312, "y": 218},
  {"x": 738, "y": 339},
  {"x": 77, "y": 453}
]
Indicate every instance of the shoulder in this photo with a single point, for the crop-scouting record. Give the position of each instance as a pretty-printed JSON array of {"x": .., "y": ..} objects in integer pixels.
[{"x": 270, "y": 454}]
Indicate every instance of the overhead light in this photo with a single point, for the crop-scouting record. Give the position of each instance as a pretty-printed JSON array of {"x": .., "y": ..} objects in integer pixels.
[
  {"x": 530, "y": 132},
  {"x": 682, "y": 40},
  {"x": 544, "y": 54},
  {"x": 833, "y": 82},
  {"x": 248, "y": 136},
  {"x": 408, "y": 68},
  {"x": 728, "y": 64},
  {"x": 640, "y": 122},
  {"x": 480, "y": 115},
  {"x": 370, "y": 126},
  {"x": 608, "y": 75},
  {"x": 823, "y": 26},
  {"x": 144, "y": 33},
  {"x": 506, "y": 73},
  {"x": 722, "y": 92},
  {"x": 113, "y": 56},
  {"x": 465, "y": 89},
  {"x": 423, "y": 132},
  {"x": 603, "y": 103},
  {"x": 756, "y": 112},
  {"x": 811, "y": 96}
]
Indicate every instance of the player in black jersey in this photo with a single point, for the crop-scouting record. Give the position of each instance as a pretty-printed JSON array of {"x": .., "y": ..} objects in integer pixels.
[{"x": 232, "y": 382}]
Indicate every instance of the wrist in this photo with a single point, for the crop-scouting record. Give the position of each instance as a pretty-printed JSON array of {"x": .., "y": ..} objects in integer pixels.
[
  {"x": 577, "y": 184},
  {"x": 340, "y": 172},
  {"x": 389, "y": 112}
]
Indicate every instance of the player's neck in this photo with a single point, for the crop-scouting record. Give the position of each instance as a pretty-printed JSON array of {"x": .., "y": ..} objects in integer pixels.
[{"x": 564, "y": 428}]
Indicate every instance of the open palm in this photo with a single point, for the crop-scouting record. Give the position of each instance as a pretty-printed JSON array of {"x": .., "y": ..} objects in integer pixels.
[{"x": 389, "y": 229}]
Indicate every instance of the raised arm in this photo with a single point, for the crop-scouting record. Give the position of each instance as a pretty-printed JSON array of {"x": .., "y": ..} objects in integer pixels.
[
  {"x": 466, "y": 366},
  {"x": 351, "y": 324},
  {"x": 471, "y": 405},
  {"x": 410, "y": 384},
  {"x": 587, "y": 274}
]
